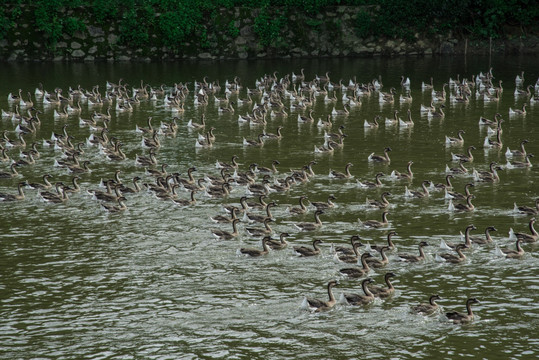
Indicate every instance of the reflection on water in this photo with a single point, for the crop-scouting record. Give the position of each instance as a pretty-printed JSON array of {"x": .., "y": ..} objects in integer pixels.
[{"x": 152, "y": 282}]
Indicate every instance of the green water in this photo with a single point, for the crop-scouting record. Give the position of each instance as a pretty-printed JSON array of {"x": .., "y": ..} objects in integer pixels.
[{"x": 152, "y": 282}]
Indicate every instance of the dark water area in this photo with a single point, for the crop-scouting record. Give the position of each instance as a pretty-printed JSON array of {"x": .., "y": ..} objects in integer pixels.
[{"x": 152, "y": 282}]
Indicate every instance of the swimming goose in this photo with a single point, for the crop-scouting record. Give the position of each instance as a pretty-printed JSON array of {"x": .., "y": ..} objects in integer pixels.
[
  {"x": 339, "y": 175},
  {"x": 224, "y": 165},
  {"x": 381, "y": 159},
  {"x": 320, "y": 305},
  {"x": 346, "y": 250},
  {"x": 375, "y": 223},
  {"x": 152, "y": 143},
  {"x": 457, "y": 170},
  {"x": 393, "y": 121},
  {"x": 462, "y": 207},
  {"x": 341, "y": 112},
  {"x": 253, "y": 143},
  {"x": 408, "y": 175},
  {"x": 75, "y": 188},
  {"x": 382, "y": 204},
  {"x": 357, "y": 299},
  {"x": 372, "y": 125},
  {"x": 383, "y": 292},
  {"x": 198, "y": 126},
  {"x": 467, "y": 238},
  {"x": 496, "y": 144},
  {"x": 438, "y": 113},
  {"x": 488, "y": 122},
  {"x": 320, "y": 205},
  {"x": 488, "y": 176},
  {"x": 357, "y": 272},
  {"x": 533, "y": 237},
  {"x": 260, "y": 218},
  {"x": 415, "y": 258},
  {"x": 29, "y": 159},
  {"x": 427, "y": 86},
  {"x": 527, "y": 209},
  {"x": 520, "y": 164},
  {"x": 115, "y": 208},
  {"x": 187, "y": 202},
  {"x": 256, "y": 232},
  {"x": 80, "y": 169},
  {"x": 225, "y": 235},
  {"x": 222, "y": 219},
  {"x": 418, "y": 194},
  {"x": 487, "y": 239},
  {"x": 447, "y": 186},
  {"x": 326, "y": 148},
  {"x": 456, "y": 195},
  {"x": 459, "y": 318},
  {"x": 59, "y": 197},
  {"x": 379, "y": 263},
  {"x": 439, "y": 95},
  {"x": 387, "y": 97},
  {"x": 276, "y": 135},
  {"x": 459, "y": 140},
  {"x": 514, "y": 254},
  {"x": 326, "y": 124},
  {"x": 302, "y": 209},
  {"x": 455, "y": 259},
  {"x": 278, "y": 244},
  {"x": 427, "y": 109},
  {"x": 304, "y": 251},
  {"x": 518, "y": 111},
  {"x": 14, "y": 197},
  {"x": 256, "y": 252},
  {"x": 350, "y": 258},
  {"x": 306, "y": 119},
  {"x": 334, "y": 136},
  {"x": 427, "y": 309},
  {"x": 310, "y": 226},
  {"x": 390, "y": 245},
  {"x": 467, "y": 157},
  {"x": 407, "y": 123},
  {"x": 269, "y": 171},
  {"x": 522, "y": 152},
  {"x": 369, "y": 184}
]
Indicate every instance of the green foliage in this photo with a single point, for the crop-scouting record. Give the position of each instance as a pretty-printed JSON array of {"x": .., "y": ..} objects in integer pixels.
[
  {"x": 105, "y": 10},
  {"x": 72, "y": 25},
  {"x": 364, "y": 24},
  {"x": 49, "y": 20},
  {"x": 232, "y": 30},
  {"x": 268, "y": 26}
]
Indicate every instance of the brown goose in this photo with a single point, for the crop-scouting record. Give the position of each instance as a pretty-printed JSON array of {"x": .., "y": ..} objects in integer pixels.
[
  {"x": 14, "y": 197},
  {"x": 346, "y": 250},
  {"x": 427, "y": 309},
  {"x": 319, "y": 205},
  {"x": 533, "y": 237},
  {"x": 383, "y": 292},
  {"x": 304, "y": 251},
  {"x": 320, "y": 305},
  {"x": 309, "y": 226},
  {"x": 415, "y": 258},
  {"x": 225, "y": 235},
  {"x": 459, "y": 318},
  {"x": 527, "y": 209},
  {"x": 256, "y": 252},
  {"x": 375, "y": 223},
  {"x": 379, "y": 263},
  {"x": 302, "y": 209},
  {"x": 390, "y": 245},
  {"x": 357, "y": 299},
  {"x": 380, "y": 159},
  {"x": 455, "y": 259},
  {"x": 278, "y": 244},
  {"x": 347, "y": 258},
  {"x": 357, "y": 272},
  {"x": 487, "y": 239},
  {"x": 382, "y": 204}
]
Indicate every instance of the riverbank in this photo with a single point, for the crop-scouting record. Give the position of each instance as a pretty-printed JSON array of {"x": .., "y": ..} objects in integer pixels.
[{"x": 241, "y": 33}]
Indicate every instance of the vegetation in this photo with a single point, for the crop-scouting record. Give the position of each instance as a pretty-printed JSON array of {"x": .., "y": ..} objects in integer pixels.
[{"x": 173, "y": 23}]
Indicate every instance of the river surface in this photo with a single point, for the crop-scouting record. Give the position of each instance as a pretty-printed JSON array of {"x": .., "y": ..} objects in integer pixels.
[{"x": 152, "y": 282}]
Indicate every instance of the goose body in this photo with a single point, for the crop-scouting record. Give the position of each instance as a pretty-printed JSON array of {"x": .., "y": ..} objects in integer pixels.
[
  {"x": 375, "y": 223},
  {"x": 384, "y": 292},
  {"x": 459, "y": 318},
  {"x": 256, "y": 252},
  {"x": 358, "y": 299},
  {"x": 304, "y": 251},
  {"x": 415, "y": 258},
  {"x": 357, "y": 272},
  {"x": 320, "y": 305},
  {"x": 427, "y": 309}
]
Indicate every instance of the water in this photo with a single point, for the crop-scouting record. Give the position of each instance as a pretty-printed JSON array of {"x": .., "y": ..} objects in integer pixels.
[{"x": 152, "y": 282}]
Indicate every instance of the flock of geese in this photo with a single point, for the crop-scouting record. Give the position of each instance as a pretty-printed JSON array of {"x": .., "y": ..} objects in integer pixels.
[{"x": 267, "y": 101}]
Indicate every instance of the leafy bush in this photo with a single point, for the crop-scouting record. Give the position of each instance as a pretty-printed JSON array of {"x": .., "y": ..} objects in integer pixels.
[{"x": 268, "y": 26}]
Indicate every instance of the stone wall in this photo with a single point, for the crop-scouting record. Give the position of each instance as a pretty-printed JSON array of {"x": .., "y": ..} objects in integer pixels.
[{"x": 331, "y": 34}]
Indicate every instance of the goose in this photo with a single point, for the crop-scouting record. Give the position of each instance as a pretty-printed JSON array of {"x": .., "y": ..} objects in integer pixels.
[
  {"x": 415, "y": 258},
  {"x": 462, "y": 207},
  {"x": 488, "y": 176},
  {"x": 302, "y": 209},
  {"x": 467, "y": 238},
  {"x": 4, "y": 157},
  {"x": 80, "y": 169},
  {"x": 269, "y": 171},
  {"x": 407, "y": 123},
  {"x": 149, "y": 160},
  {"x": 187, "y": 202},
  {"x": 514, "y": 254},
  {"x": 346, "y": 250},
  {"x": 521, "y": 92},
  {"x": 357, "y": 272},
  {"x": 59, "y": 197},
  {"x": 13, "y": 172},
  {"x": 339, "y": 175},
  {"x": 29, "y": 159},
  {"x": 276, "y": 135},
  {"x": 341, "y": 112},
  {"x": 324, "y": 205},
  {"x": 75, "y": 188},
  {"x": 15, "y": 197},
  {"x": 387, "y": 97},
  {"x": 427, "y": 109},
  {"x": 520, "y": 164},
  {"x": 225, "y": 235},
  {"x": 427, "y": 86},
  {"x": 438, "y": 113},
  {"x": 418, "y": 194},
  {"x": 379, "y": 263},
  {"x": 372, "y": 125},
  {"x": 197, "y": 126},
  {"x": 152, "y": 143},
  {"x": 317, "y": 305},
  {"x": 468, "y": 156},
  {"x": 381, "y": 159},
  {"x": 356, "y": 299},
  {"x": 390, "y": 245},
  {"x": 447, "y": 186},
  {"x": 115, "y": 208},
  {"x": 256, "y": 252},
  {"x": 326, "y": 148},
  {"x": 427, "y": 309},
  {"x": 522, "y": 152},
  {"x": 408, "y": 175},
  {"x": 439, "y": 95},
  {"x": 518, "y": 111},
  {"x": 519, "y": 79},
  {"x": 383, "y": 292},
  {"x": 528, "y": 238},
  {"x": 310, "y": 226},
  {"x": 15, "y": 98},
  {"x": 306, "y": 119},
  {"x": 256, "y": 232},
  {"x": 232, "y": 165},
  {"x": 382, "y": 204},
  {"x": 253, "y": 143},
  {"x": 334, "y": 136},
  {"x": 460, "y": 318},
  {"x": 496, "y": 144},
  {"x": 304, "y": 251},
  {"x": 46, "y": 185},
  {"x": 487, "y": 239},
  {"x": 368, "y": 184},
  {"x": 459, "y": 140},
  {"x": 375, "y": 223},
  {"x": 222, "y": 219},
  {"x": 135, "y": 189},
  {"x": 260, "y": 218},
  {"x": 278, "y": 244},
  {"x": 455, "y": 259},
  {"x": 457, "y": 170},
  {"x": 327, "y": 124},
  {"x": 146, "y": 130},
  {"x": 488, "y": 122},
  {"x": 393, "y": 121},
  {"x": 350, "y": 258},
  {"x": 527, "y": 209}
]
